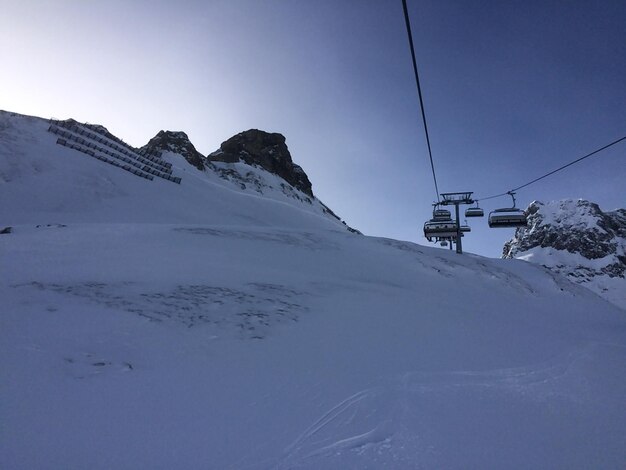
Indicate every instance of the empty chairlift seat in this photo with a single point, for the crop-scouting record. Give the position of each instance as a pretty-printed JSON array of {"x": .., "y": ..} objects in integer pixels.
[
  {"x": 474, "y": 212},
  {"x": 511, "y": 217}
]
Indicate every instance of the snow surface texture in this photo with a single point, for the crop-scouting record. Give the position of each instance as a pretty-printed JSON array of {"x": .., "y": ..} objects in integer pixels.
[
  {"x": 577, "y": 239},
  {"x": 265, "y": 335}
]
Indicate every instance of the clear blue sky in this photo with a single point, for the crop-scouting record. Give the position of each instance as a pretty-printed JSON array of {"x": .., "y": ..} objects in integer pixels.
[{"x": 512, "y": 89}]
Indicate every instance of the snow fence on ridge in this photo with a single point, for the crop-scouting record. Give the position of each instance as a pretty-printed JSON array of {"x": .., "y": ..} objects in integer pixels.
[{"x": 112, "y": 151}]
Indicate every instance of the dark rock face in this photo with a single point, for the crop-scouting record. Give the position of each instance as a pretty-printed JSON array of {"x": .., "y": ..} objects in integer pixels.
[
  {"x": 255, "y": 148},
  {"x": 177, "y": 142},
  {"x": 580, "y": 228},
  {"x": 266, "y": 150}
]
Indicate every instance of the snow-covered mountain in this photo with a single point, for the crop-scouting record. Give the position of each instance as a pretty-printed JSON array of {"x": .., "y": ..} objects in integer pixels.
[
  {"x": 45, "y": 181},
  {"x": 578, "y": 240},
  {"x": 169, "y": 315}
]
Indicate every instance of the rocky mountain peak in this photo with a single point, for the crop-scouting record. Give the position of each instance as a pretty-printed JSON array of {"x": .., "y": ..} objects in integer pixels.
[
  {"x": 267, "y": 150},
  {"x": 176, "y": 142},
  {"x": 576, "y": 226},
  {"x": 575, "y": 238}
]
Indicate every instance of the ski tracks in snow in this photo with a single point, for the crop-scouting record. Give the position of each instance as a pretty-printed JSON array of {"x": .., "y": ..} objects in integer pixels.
[
  {"x": 327, "y": 436},
  {"x": 394, "y": 425}
]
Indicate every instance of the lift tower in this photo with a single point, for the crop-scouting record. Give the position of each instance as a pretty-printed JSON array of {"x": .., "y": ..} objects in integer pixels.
[{"x": 456, "y": 199}]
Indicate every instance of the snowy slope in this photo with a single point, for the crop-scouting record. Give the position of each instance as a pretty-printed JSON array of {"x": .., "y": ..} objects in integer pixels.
[
  {"x": 42, "y": 182},
  {"x": 578, "y": 240},
  {"x": 267, "y": 336}
]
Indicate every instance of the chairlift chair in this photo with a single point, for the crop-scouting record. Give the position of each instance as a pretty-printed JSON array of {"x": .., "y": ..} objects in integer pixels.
[
  {"x": 511, "y": 217},
  {"x": 474, "y": 212},
  {"x": 508, "y": 217},
  {"x": 441, "y": 215},
  {"x": 434, "y": 229},
  {"x": 439, "y": 229}
]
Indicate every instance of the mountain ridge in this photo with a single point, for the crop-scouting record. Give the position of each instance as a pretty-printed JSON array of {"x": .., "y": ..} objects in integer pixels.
[
  {"x": 578, "y": 240},
  {"x": 26, "y": 135}
]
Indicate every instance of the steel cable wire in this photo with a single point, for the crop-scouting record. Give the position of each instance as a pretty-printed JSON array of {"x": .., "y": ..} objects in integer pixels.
[
  {"x": 419, "y": 92},
  {"x": 554, "y": 171}
]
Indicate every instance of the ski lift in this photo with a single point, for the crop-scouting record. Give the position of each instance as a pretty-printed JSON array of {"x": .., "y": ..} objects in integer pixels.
[
  {"x": 443, "y": 243},
  {"x": 438, "y": 230},
  {"x": 474, "y": 211},
  {"x": 508, "y": 217},
  {"x": 441, "y": 215}
]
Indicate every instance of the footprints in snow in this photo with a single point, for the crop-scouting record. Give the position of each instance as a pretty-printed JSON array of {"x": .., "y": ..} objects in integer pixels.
[
  {"x": 88, "y": 365},
  {"x": 250, "y": 311}
]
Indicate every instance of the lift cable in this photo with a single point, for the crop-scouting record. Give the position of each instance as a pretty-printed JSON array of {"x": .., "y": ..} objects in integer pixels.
[
  {"x": 553, "y": 171},
  {"x": 419, "y": 92}
]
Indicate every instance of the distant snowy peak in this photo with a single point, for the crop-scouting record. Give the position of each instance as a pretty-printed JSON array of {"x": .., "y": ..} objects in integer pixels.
[
  {"x": 267, "y": 150},
  {"x": 176, "y": 142},
  {"x": 577, "y": 239},
  {"x": 579, "y": 227}
]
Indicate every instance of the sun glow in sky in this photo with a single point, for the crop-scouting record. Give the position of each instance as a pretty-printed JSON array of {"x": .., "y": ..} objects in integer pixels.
[{"x": 511, "y": 89}]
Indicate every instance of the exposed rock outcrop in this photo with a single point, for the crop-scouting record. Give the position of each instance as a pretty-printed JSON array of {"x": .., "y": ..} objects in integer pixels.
[
  {"x": 577, "y": 239},
  {"x": 176, "y": 142},
  {"x": 254, "y": 147},
  {"x": 267, "y": 150}
]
